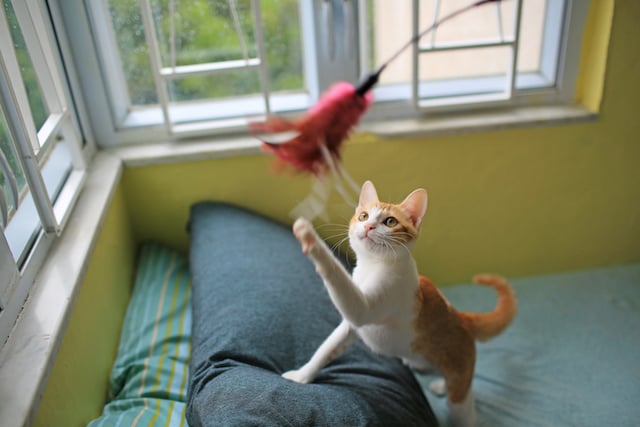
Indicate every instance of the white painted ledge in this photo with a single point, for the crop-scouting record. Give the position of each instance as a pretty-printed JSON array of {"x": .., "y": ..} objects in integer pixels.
[
  {"x": 486, "y": 120},
  {"x": 424, "y": 127},
  {"x": 180, "y": 151},
  {"x": 28, "y": 356}
]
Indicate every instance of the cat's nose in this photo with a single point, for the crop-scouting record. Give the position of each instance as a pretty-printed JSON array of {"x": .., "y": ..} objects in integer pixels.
[{"x": 369, "y": 227}]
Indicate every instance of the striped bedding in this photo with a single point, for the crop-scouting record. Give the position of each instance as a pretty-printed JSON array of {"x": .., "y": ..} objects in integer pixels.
[{"x": 148, "y": 382}]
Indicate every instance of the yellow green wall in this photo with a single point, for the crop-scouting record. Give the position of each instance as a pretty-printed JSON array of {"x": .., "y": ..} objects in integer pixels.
[
  {"x": 77, "y": 387},
  {"x": 520, "y": 201}
]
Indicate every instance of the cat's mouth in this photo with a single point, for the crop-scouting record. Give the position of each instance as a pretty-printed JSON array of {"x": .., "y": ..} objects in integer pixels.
[{"x": 369, "y": 237}]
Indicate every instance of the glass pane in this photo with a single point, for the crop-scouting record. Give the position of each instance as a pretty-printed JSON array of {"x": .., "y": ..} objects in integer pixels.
[
  {"x": 283, "y": 44},
  {"x": 484, "y": 80},
  {"x": 223, "y": 85},
  {"x": 32, "y": 86},
  {"x": 25, "y": 224},
  {"x": 204, "y": 31},
  {"x": 478, "y": 62},
  {"x": 391, "y": 27},
  {"x": 7, "y": 149},
  {"x": 488, "y": 22},
  {"x": 531, "y": 34},
  {"x": 132, "y": 46}
]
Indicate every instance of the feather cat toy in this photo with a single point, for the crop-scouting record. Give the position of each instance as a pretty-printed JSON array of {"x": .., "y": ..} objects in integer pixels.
[
  {"x": 313, "y": 143},
  {"x": 394, "y": 310}
]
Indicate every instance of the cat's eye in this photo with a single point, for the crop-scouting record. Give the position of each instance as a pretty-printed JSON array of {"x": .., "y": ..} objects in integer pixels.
[
  {"x": 390, "y": 222},
  {"x": 363, "y": 216}
]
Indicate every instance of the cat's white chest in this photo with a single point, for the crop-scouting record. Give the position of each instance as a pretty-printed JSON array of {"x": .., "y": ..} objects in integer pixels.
[
  {"x": 396, "y": 283},
  {"x": 373, "y": 278},
  {"x": 391, "y": 333}
]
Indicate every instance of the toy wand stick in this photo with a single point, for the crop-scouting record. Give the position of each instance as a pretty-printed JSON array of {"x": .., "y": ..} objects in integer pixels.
[
  {"x": 372, "y": 78},
  {"x": 318, "y": 135},
  {"x": 328, "y": 123}
]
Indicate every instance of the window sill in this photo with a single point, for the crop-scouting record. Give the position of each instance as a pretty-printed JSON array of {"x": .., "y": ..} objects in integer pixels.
[
  {"x": 428, "y": 126},
  {"x": 28, "y": 356},
  {"x": 486, "y": 120}
]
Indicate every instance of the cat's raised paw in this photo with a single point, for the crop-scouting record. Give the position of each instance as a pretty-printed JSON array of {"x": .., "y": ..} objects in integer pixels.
[
  {"x": 304, "y": 232},
  {"x": 297, "y": 376}
]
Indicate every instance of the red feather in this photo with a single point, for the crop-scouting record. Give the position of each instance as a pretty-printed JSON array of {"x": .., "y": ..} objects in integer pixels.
[{"x": 327, "y": 123}]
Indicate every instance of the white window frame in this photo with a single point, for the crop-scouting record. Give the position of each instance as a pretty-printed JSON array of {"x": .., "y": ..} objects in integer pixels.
[
  {"x": 334, "y": 45},
  {"x": 54, "y": 172}
]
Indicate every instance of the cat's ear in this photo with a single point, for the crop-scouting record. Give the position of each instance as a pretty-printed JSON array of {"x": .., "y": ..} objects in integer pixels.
[
  {"x": 416, "y": 205},
  {"x": 368, "y": 194}
]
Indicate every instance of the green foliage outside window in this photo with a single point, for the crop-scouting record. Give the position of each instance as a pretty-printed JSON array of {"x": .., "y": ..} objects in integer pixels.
[
  {"x": 34, "y": 94},
  {"x": 204, "y": 32}
]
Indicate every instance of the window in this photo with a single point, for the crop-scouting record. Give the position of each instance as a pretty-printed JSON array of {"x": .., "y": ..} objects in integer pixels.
[
  {"x": 171, "y": 69},
  {"x": 42, "y": 156}
]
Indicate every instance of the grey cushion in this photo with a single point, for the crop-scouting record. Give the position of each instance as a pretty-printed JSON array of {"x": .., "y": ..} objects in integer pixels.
[{"x": 259, "y": 309}]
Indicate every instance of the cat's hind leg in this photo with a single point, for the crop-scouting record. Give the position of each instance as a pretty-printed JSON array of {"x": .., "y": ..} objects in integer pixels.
[
  {"x": 439, "y": 387},
  {"x": 460, "y": 397},
  {"x": 332, "y": 347},
  {"x": 463, "y": 412}
]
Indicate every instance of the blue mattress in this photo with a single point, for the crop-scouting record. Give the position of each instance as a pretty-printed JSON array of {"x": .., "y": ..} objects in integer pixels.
[{"x": 571, "y": 357}]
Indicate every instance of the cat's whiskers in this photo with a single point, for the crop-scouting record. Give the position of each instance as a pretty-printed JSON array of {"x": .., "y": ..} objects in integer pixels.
[
  {"x": 403, "y": 237},
  {"x": 336, "y": 230},
  {"x": 335, "y": 235},
  {"x": 384, "y": 245},
  {"x": 391, "y": 242},
  {"x": 335, "y": 226},
  {"x": 339, "y": 244}
]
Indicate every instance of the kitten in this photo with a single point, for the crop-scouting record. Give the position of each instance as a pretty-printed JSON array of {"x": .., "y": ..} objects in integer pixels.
[{"x": 394, "y": 310}]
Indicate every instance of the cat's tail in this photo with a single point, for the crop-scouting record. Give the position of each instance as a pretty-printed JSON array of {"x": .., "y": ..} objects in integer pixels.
[{"x": 484, "y": 326}]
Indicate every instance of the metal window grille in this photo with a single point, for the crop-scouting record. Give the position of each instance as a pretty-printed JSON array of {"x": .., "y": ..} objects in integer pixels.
[
  {"x": 35, "y": 149},
  {"x": 423, "y": 100},
  {"x": 165, "y": 73}
]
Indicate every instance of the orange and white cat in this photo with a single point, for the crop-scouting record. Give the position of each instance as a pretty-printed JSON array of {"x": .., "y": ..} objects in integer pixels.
[{"x": 394, "y": 310}]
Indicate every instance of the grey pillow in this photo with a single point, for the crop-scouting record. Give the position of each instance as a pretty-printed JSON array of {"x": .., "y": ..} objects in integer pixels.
[{"x": 259, "y": 309}]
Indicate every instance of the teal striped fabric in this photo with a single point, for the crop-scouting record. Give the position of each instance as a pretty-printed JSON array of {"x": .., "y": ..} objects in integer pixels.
[{"x": 148, "y": 383}]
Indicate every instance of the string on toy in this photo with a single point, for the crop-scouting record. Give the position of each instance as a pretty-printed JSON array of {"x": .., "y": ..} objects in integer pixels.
[
  {"x": 314, "y": 205},
  {"x": 313, "y": 142},
  {"x": 372, "y": 78}
]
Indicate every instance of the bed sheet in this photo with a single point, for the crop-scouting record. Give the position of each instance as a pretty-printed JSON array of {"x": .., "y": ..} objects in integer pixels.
[{"x": 571, "y": 357}]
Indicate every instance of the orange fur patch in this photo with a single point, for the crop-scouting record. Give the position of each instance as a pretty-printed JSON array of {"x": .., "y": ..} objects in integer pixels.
[
  {"x": 444, "y": 340},
  {"x": 446, "y": 337}
]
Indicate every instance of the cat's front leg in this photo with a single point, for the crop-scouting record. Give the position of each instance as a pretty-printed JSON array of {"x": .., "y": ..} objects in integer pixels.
[
  {"x": 332, "y": 347},
  {"x": 345, "y": 295}
]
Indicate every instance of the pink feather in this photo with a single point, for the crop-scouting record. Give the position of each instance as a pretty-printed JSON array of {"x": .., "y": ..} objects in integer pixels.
[{"x": 327, "y": 123}]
